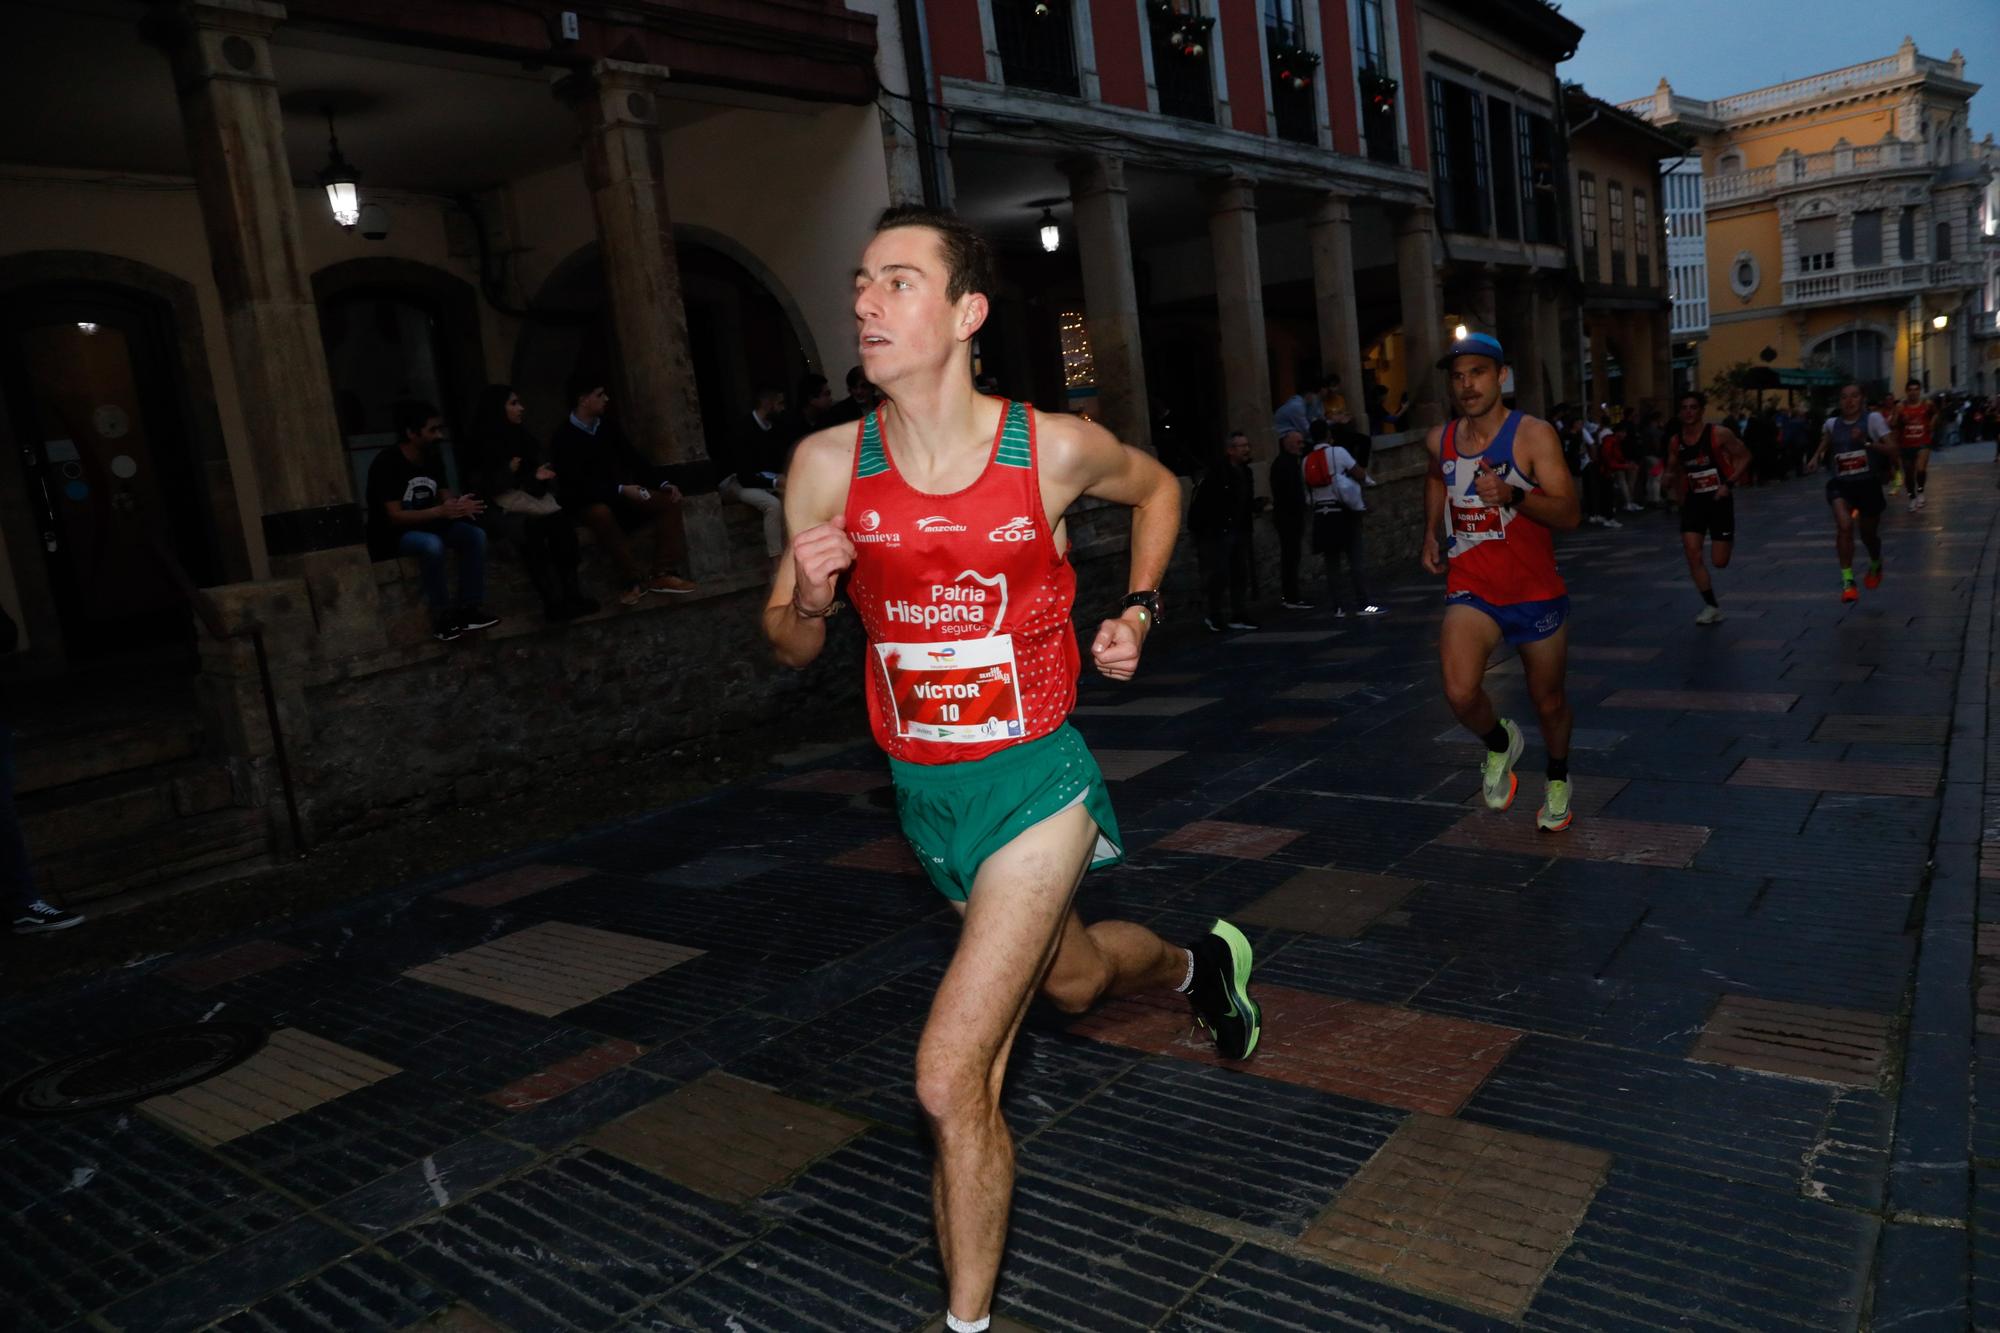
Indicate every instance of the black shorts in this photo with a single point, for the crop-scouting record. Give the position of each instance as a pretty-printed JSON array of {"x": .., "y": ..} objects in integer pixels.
[
  {"x": 1863, "y": 497},
  {"x": 1709, "y": 515},
  {"x": 1910, "y": 459}
]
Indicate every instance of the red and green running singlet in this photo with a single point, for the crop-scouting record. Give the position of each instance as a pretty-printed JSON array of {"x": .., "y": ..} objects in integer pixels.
[{"x": 966, "y": 601}]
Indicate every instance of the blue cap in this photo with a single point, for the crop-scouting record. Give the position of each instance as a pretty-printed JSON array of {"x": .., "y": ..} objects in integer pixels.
[{"x": 1474, "y": 344}]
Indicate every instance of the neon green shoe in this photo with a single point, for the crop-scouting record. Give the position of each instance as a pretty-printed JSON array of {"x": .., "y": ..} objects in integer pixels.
[
  {"x": 1555, "y": 815},
  {"x": 1496, "y": 774},
  {"x": 1221, "y": 991}
]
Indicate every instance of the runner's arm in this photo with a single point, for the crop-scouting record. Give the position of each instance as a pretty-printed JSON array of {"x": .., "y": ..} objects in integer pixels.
[
  {"x": 1082, "y": 458},
  {"x": 1825, "y": 438},
  {"x": 1735, "y": 454},
  {"x": 815, "y": 498},
  {"x": 1674, "y": 480},
  {"x": 1553, "y": 502}
]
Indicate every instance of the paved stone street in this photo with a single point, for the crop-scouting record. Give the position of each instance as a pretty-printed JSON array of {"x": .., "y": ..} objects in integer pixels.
[{"x": 1704, "y": 1061}]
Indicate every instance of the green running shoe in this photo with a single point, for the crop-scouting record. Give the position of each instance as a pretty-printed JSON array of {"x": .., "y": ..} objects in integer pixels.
[
  {"x": 1496, "y": 774},
  {"x": 1555, "y": 815},
  {"x": 1221, "y": 991}
]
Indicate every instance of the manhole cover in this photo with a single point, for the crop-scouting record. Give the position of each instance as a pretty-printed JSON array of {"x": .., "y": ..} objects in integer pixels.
[{"x": 139, "y": 1067}]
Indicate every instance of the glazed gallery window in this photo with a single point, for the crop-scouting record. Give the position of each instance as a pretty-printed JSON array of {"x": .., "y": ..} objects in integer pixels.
[
  {"x": 1817, "y": 238},
  {"x": 1865, "y": 238},
  {"x": 1587, "y": 215},
  {"x": 1615, "y": 193}
]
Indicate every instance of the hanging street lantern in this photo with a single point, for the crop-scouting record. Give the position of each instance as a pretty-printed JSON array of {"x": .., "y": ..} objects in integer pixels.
[{"x": 340, "y": 178}]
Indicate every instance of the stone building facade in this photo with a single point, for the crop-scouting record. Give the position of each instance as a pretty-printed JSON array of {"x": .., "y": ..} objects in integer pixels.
[{"x": 1842, "y": 215}]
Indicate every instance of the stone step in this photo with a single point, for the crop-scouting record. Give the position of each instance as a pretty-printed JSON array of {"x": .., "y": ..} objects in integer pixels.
[
  {"x": 121, "y": 863},
  {"x": 60, "y": 819},
  {"x": 62, "y": 758}
]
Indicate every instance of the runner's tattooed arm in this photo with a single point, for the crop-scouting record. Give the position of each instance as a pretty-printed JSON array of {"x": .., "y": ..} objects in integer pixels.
[
  {"x": 819, "y": 552},
  {"x": 1735, "y": 456},
  {"x": 1432, "y": 554},
  {"x": 1081, "y": 458},
  {"x": 1825, "y": 438}
]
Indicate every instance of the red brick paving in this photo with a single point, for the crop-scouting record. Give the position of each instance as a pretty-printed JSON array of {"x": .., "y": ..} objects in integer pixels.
[
  {"x": 1591, "y": 838},
  {"x": 1220, "y": 837},
  {"x": 890, "y": 855},
  {"x": 1469, "y": 1213},
  {"x": 1705, "y": 701},
  {"x": 244, "y": 960},
  {"x": 1373, "y": 1052},
  {"x": 1884, "y": 728},
  {"x": 1837, "y": 775},
  {"x": 1293, "y": 726},
  {"x": 1847, "y": 1046},
  {"x": 1588, "y": 793},
  {"x": 835, "y": 781},
  {"x": 508, "y": 885},
  {"x": 1339, "y": 904},
  {"x": 565, "y": 1075}
]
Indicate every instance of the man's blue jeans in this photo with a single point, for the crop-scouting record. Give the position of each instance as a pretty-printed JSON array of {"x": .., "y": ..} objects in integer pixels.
[{"x": 469, "y": 540}]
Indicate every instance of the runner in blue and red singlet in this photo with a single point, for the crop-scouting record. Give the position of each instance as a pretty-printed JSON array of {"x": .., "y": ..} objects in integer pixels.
[
  {"x": 944, "y": 508},
  {"x": 1501, "y": 476}
]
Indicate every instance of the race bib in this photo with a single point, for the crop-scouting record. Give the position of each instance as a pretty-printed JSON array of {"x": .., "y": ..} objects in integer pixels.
[
  {"x": 964, "y": 692},
  {"x": 1852, "y": 463},
  {"x": 1476, "y": 522},
  {"x": 1707, "y": 481}
]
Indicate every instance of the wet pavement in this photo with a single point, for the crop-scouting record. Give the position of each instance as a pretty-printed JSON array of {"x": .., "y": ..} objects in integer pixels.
[{"x": 1709, "y": 1059}]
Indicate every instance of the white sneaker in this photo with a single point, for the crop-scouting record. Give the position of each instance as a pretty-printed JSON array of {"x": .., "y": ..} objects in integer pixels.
[
  {"x": 1635, "y": 509},
  {"x": 1373, "y": 610},
  {"x": 1613, "y": 523},
  {"x": 1293, "y": 604},
  {"x": 1709, "y": 615},
  {"x": 1921, "y": 501},
  {"x": 1913, "y": 506},
  {"x": 1594, "y": 521}
]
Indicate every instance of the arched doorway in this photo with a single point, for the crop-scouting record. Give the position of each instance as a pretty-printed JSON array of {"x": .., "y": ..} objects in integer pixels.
[
  {"x": 743, "y": 332},
  {"x": 1860, "y": 355},
  {"x": 394, "y": 329},
  {"x": 114, "y": 498}
]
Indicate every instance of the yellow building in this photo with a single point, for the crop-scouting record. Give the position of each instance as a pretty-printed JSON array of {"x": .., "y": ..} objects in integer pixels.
[{"x": 1842, "y": 219}]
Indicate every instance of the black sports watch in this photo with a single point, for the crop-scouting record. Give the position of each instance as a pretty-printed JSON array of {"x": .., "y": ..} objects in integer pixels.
[
  {"x": 1148, "y": 601},
  {"x": 1519, "y": 496}
]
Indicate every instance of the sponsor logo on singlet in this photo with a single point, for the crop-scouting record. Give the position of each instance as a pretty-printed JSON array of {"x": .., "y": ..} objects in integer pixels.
[
  {"x": 972, "y": 603},
  {"x": 1020, "y": 529},
  {"x": 938, "y": 523},
  {"x": 867, "y": 525}
]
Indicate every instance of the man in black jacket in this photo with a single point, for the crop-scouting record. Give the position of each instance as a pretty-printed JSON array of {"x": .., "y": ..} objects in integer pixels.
[
  {"x": 750, "y": 465},
  {"x": 1289, "y": 512},
  {"x": 1220, "y": 517},
  {"x": 603, "y": 481}
]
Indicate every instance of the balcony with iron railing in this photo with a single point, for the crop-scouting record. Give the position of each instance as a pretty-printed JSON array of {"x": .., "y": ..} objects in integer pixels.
[
  {"x": 1036, "y": 47},
  {"x": 1880, "y": 280},
  {"x": 1806, "y": 169},
  {"x": 1986, "y": 324}
]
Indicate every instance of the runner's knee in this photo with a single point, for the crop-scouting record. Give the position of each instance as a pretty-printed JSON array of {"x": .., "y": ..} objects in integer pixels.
[
  {"x": 951, "y": 1084},
  {"x": 1075, "y": 990}
]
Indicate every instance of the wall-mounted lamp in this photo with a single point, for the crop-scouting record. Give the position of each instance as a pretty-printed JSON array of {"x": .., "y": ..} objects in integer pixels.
[
  {"x": 339, "y": 177},
  {"x": 1938, "y": 322},
  {"x": 1459, "y": 334}
]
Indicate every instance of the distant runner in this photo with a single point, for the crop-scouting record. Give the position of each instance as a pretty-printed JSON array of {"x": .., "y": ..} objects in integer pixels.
[
  {"x": 1855, "y": 489},
  {"x": 1702, "y": 469}
]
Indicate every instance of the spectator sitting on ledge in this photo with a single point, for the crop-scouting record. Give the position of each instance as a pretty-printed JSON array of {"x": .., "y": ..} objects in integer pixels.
[
  {"x": 606, "y": 485},
  {"x": 411, "y": 513},
  {"x": 752, "y": 468}
]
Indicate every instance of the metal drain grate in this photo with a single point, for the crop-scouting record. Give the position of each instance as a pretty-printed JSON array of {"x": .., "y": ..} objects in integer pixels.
[{"x": 132, "y": 1070}]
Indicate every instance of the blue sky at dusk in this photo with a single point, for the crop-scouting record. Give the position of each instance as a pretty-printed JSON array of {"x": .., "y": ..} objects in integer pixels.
[{"x": 1712, "y": 48}]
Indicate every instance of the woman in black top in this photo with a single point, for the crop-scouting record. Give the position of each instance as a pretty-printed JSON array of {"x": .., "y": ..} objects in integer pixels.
[{"x": 503, "y": 463}]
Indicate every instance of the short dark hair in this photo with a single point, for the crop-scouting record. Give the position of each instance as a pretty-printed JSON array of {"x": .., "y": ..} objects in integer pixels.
[
  {"x": 767, "y": 391},
  {"x": 1330, "y": 380},
  {"x": 968, "y": 261},
  {"x": 856, "y": 377},
  {"x": 810, "y": 386},
  {"x": 410, "y": 415},
  {"x": 1243, "y": 435},
  {"x": 1695, "y": 394},
  {"x": 1914, "y": 384},
  {"x": 583, "y": 380}
]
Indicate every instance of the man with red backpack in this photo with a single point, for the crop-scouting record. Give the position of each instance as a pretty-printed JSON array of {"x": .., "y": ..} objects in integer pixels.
[{"x": 1333, "y": 482}]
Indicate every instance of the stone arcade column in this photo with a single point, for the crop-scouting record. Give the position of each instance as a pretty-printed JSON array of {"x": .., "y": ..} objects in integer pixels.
[
  {"x": 618, "y": 102},
  {"x": 1331, "y": 236},
  {"x": 221, "y": 55},
  {"x": 1239, "y": 302},
  {"x": 1110, "y": 296},
  {"x": 1423, "y": 334},
  {"x": 1523, "y": 337}
]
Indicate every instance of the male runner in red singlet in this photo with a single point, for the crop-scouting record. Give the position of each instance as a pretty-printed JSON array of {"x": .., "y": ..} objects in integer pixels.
[
  {"x": 1847, "y": 442},
  {"x": 1912, "y": 423},
  {"x": 1503, "y": 476},
  {"x": 1703, "y": 466},
  {"x": 947, "y": 507}
]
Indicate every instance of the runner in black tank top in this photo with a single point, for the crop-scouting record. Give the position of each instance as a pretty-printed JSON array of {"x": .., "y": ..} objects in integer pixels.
[
  {"x": 1702, "y": 469},
  {"x": 1855, "y": 488}
]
